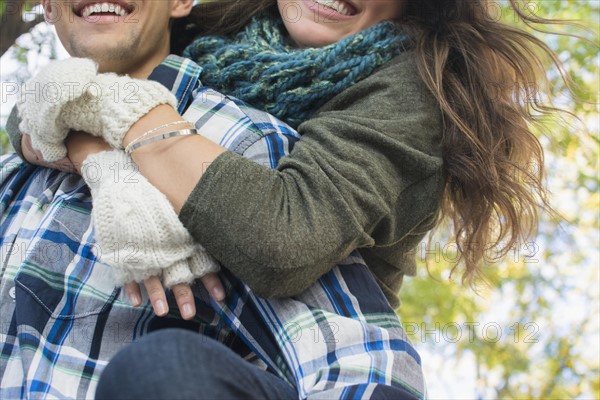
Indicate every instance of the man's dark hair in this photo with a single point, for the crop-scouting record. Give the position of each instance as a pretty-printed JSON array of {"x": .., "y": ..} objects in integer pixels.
[{"x": 181, "y": 35}]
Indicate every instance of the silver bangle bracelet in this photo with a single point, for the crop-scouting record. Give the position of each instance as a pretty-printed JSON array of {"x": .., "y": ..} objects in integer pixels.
[{"x": 183, "y": 132}]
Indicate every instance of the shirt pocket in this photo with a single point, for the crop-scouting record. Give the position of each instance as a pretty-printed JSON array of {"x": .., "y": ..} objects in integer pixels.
[{"x": 59, "y": 271}]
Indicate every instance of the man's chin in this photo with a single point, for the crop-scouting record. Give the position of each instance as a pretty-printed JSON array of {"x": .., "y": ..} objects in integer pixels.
[
  {"x": 94, "y": 45},
  {"x": 107, "y": 57}
]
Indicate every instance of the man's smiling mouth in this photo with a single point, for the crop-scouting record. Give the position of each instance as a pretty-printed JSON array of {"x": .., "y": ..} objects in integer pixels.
[{"x": 104, "y": 8}]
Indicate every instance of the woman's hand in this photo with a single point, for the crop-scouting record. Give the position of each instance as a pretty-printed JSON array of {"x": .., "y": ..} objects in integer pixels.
[
  {"x": 66, "y": 82},
  {"x": 182, "y": 292},
  {"x": 35, "y": 157},
  {"x": 129, "y": 213},
  {"x": 79, "y": 144},
  {"x": 84, "y": 100}
]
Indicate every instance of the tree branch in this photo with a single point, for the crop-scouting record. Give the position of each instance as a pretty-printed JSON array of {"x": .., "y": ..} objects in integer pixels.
[{"x": 13, "y": 25}]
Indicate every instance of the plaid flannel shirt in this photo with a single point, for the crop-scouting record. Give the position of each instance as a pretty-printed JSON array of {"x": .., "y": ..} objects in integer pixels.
[{"x": 62, "y": 319}]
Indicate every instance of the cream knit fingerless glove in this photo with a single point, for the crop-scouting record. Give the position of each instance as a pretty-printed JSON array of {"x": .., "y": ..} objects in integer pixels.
[
  {"x": 42, "y": 101},
  {"x": 137, "y": 230},
  {"x": 70, "y": 94},
  {"x": 113, "y": 104},
  {"x": 199, "y": 264}
]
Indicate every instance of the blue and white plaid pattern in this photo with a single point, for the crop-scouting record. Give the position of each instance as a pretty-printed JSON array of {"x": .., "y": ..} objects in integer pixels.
[{"x": 62, "y": 319}]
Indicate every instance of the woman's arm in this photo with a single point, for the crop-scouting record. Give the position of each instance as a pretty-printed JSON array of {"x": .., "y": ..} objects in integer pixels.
[
  {"x": 80, "y": 147},
  {"x": 365, "y": 172},
  {"x": 174, "y": 165}
]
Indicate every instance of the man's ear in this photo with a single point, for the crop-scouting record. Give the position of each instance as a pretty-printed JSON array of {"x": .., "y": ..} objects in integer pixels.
[
  {"x": 181, "y": 8},
  {"x": 48, "y": 9}
]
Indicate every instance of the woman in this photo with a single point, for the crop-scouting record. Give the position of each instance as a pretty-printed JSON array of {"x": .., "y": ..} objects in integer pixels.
[{"x": 484, "y": 141}]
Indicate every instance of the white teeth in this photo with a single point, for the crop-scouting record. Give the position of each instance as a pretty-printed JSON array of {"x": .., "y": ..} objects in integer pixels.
[
  {"x": 336, "y": 5},
  {"x": 103, "y": 8}
]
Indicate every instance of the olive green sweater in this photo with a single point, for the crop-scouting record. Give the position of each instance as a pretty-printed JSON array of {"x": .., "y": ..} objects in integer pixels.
[{"x": 367, "y": 174}]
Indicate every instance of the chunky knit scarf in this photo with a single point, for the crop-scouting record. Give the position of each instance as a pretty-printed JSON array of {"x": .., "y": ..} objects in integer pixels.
[{"x": 260, "y": 66}]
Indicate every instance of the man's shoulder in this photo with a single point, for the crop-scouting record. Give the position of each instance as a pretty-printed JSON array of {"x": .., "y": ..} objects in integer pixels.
[{"x": 238, "y": 126}]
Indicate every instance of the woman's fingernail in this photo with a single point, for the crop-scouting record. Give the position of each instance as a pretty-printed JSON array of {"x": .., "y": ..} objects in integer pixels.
[
  {"x": 187, "y": 311},
  {"x": 160, "y": 307},
  {"x": 134, "y": 300},
  {"x": 218, "y": 294}
]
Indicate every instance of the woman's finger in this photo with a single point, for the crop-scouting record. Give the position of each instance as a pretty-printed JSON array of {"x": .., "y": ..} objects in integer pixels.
[
  {"x": 34, "y": 156},
  {"x": 185, "y": 300},
  {"x": 157, "y": 296},
  {"x": 134, "y": 293},
  {"x": 213, "y": 285}
]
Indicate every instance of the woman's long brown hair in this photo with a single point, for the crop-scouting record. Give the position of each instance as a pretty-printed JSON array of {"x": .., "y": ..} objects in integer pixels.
[{"x": 488, "y": 79}]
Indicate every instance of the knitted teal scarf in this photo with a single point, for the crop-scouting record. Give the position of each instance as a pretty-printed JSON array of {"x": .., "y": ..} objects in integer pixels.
[{"x": 259, "y": 66}]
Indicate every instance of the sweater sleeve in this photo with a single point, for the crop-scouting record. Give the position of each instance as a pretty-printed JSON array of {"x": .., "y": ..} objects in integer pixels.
[
  {"x": 14, "y": 133},
  {"x": 358, "y": 178}
]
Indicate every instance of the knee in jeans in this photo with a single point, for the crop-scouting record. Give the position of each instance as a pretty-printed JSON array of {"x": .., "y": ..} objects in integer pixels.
[{"x": 175, "y": 348}]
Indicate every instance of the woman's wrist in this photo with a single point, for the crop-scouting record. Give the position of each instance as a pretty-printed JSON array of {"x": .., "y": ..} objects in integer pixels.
[
  {"x": 159, "y": 120},
  {"x": 80, "y": 145},
  {"x": 163, "y": 161}
]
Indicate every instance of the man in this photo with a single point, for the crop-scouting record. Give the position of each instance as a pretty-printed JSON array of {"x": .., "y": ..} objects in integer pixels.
[{"x": 62, "y": 318}]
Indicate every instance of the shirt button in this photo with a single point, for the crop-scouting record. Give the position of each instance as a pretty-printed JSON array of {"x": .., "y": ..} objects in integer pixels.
[{"x": 12, "y": 292}]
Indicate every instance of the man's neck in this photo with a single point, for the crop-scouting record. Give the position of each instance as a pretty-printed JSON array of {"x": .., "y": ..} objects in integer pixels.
[{"x": 138, "y": 71}]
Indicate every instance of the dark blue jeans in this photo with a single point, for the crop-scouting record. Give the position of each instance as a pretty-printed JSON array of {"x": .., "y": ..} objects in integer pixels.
[{"x": 180, "y": 364}]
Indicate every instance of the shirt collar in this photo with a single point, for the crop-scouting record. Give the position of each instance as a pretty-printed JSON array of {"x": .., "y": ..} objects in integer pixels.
[{"x": 180, "y": 75}]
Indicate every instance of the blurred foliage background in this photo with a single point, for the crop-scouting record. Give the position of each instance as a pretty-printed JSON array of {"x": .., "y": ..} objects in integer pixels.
[{"x": 534, "y": 331}]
